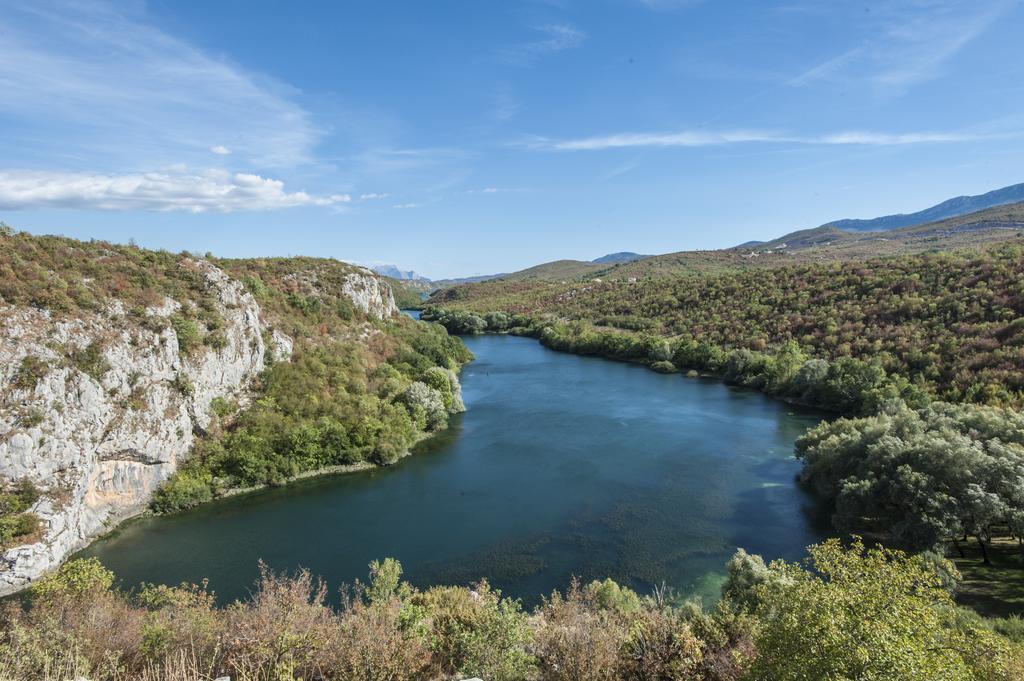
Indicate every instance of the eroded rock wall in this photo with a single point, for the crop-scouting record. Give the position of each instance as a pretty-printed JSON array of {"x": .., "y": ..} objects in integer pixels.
[{"x": 99, "y": 441}]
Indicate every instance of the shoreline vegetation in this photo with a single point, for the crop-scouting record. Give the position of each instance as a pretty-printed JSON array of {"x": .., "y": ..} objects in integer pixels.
[{"x": 325, "y": 471}]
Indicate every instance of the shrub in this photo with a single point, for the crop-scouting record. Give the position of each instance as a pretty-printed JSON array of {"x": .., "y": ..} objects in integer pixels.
[
  {"x": 664, "y": 367},
  {"x": 14, "y": 527},
  {"x": 30, "y": 371},
  {"x": 183, "y": 490},
  {"x": 423, "y": 399},
  {"x": 186, "y": 332},
  {"x": 256, "y": 287},
  {"x": 222, "y": 406},
  {"x": 848, "y": 601},
  {"x": 385, "y": 578},
  {"x": 575, "y": 642},
  {"x": 609, "y": 595},
  {"x": 495, "y": 645},
  {"x": 19, "y": 497},
  {"x": 90, "y": 361},
  {"x": 182, "y": 385},
  {"x": 372, "y": 645},
  {"x": 661, "y": 646},
  {"x": 30, "y": 418},
  {"x": 73, "y": 579},
  {"x": 283, "y": 632}
]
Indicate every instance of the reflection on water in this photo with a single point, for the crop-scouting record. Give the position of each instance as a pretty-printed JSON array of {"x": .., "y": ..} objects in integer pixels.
[{"x": 562, "y": 465}]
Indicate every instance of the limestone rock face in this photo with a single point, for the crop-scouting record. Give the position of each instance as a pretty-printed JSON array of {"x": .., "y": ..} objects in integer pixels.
[
  {"x": 99, "y": 443},
  {"x": 370, "y": 294},
  {"x": 98, "y": 438}
]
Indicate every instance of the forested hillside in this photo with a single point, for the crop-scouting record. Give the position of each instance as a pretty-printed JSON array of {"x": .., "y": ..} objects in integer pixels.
[
  {"x": 951, "y": 323},
  {"x": 354, "y": 392}
]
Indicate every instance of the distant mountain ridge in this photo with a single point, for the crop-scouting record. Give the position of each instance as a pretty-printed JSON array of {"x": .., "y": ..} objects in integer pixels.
[
  {"x": 395, "y": 273},
  {"x": 622, "y": 256},
  {"x": 955, "y": 207}
]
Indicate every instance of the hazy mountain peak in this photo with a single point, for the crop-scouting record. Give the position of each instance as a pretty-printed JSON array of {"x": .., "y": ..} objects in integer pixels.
[
  {"x": 395, "y": 273},
  {"x": 960, "y": 205}
]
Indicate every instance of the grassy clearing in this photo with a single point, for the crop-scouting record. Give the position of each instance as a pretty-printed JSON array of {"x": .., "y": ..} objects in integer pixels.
[{"x": 995, "y": 590}]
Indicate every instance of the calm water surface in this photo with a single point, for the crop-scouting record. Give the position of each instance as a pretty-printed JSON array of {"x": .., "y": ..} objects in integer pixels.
[{"x": 562, "y": 465}]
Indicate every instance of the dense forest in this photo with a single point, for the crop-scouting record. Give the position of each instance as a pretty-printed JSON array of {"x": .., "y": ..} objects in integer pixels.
[{"x": 846, "y": 612}]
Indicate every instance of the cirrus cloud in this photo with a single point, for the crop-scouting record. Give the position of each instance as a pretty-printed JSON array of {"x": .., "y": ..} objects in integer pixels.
[
  {"x": 95, "y": 80},
  {"x": 211, "y": 191},
  {"x": 704, "y": 138},
  {"x": 557, "y": 38}
]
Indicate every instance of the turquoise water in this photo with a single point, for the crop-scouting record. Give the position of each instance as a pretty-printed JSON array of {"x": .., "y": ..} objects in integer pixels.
[{"x": 563, "y": 465}]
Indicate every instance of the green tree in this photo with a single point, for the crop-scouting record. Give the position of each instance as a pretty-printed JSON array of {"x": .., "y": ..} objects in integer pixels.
[{"x": 858, "y": 613}]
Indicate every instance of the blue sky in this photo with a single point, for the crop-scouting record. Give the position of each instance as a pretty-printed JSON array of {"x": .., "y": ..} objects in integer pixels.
[{"x": 457, "y": 138}]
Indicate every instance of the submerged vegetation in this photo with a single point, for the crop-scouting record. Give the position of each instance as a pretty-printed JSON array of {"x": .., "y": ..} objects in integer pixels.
[{"x": 845, "y": 613}]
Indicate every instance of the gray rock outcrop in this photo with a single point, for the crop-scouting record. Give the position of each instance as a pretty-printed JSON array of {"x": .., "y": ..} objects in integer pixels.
[{"x": 98, "y": 440}]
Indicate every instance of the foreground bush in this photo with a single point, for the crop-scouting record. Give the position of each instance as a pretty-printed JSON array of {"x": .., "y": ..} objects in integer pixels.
[
  {"x": 868, "y": 614},
  {"x": 848, "y": 613}
]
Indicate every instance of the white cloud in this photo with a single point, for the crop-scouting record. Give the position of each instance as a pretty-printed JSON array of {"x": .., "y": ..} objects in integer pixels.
[
  {"x": 372, "y": 196},
  {"x": 88, "y": 82},
  {"x": 406, "y": 205},
  {"x": 214, "y": 191},
  {"x": 560, "y": 37},
  {"x": 702, "y": 138},
  {"x": 220, "y": 150},
  {"x": 909, "y": 42}
]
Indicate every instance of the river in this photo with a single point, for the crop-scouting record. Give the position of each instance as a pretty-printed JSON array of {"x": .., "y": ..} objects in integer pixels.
[{"x": 563, "y": 465}]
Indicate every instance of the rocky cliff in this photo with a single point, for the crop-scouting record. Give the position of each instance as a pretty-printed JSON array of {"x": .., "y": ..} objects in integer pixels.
[{"x": 98, "y": 408}]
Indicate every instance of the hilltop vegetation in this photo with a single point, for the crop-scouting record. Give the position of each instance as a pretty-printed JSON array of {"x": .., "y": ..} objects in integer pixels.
[{"x": 845, "y": 613}]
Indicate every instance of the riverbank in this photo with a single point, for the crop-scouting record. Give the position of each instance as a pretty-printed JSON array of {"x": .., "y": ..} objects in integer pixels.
[
  {"x": 845, "y": 386},
  {"x": 116, "y": 523},
  {"x": 562, "y": 466},
  {"x": 343, "y": 469}
]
